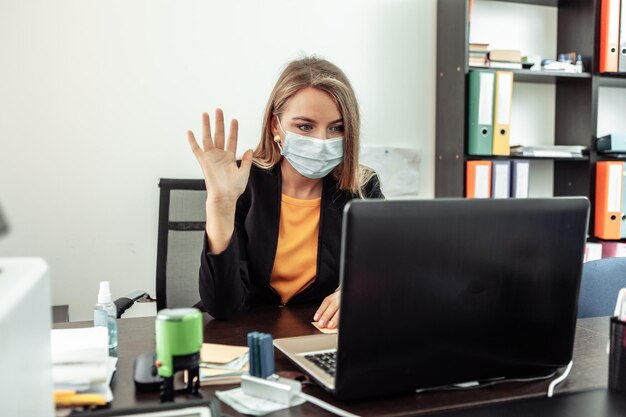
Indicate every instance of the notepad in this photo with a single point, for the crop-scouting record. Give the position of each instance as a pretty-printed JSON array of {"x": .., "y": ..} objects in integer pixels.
[
  {"x": 324, "y": 329},
  {"x": 222, "y": 364}
]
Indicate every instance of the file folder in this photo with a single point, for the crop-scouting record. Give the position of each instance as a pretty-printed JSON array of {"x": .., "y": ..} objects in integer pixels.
[
  {"x": 502, "y": 112},
  {"x": 520, "y": 176},
  {"x": 501, "y": 179},
  {"x": 609, "y": 35},
  {"x": 478, "y": 179},
  {"x": 480, "y": 112},
  {"x": 608, "y": 199},
  {"x": 622, "y": 226},
  {"x": 621, "y": 60}
]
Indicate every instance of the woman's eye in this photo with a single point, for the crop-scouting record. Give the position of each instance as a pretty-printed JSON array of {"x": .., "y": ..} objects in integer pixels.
[
  {"x": 305, "y": 128},
  {"x": 338, "y": 128}
]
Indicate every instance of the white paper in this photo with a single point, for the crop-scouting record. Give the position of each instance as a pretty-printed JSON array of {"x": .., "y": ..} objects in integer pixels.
[
  {"x": 102, "y": 387},
  {"x": 485, "y": 100},
  {"x": 593, "y": 251},
  {"x": 482, "y": 181},
  {"x": 90, "y": 344},
  {"x": 614, "y": 196},
  {"x": 397, "y": 169},
  {"x": 79, "y": 373},
  {"x": 504, "y": 91},
  {"x": 248, "y": 404},
  {"x": 501, "y": 188}
]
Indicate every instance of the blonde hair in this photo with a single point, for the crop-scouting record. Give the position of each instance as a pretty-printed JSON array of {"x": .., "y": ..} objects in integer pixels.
[{"x": 325, "y": 76}]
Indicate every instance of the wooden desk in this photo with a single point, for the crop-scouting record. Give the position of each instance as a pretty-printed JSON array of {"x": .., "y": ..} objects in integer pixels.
[{"x": 136, "y": 335}]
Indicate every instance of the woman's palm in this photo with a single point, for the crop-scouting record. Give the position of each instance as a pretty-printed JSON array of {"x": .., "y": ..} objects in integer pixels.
[{"x": 225, "y": 181}]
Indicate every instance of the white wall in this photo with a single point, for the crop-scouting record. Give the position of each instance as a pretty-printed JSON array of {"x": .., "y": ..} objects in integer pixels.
[{"x": 96, "y": 97}]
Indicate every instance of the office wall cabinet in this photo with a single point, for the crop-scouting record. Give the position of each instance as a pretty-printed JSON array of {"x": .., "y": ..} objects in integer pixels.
[{"x": 576, "y": 96}]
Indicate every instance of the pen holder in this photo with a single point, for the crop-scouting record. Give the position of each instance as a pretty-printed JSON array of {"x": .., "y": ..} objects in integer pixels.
[{"x": 617, "y": 356}]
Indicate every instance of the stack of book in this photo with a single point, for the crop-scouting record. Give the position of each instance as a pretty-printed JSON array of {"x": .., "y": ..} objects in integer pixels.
[
  {"x": 478, "y": 55},
  {"x": 505, "y": 58}
]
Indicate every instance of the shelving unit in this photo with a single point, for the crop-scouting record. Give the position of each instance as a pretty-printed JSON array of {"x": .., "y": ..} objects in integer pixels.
[{"x": 576, "y": 100}]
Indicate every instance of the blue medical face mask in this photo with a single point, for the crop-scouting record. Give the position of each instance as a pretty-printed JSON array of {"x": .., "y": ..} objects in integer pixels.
[{"x": 311, "y": 157}]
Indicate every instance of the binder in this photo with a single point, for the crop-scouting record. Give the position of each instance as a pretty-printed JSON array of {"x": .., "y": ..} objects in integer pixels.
[
  {"x": 480, "y": 112},
  {"x": 621, "y": 60},
  {"x": 609, "y": 35},
  {"x": 622, "y": 226},
  {"x": 501, "y": 179},
  {"x": 478, "y": 179},
  {"x": 502, "y": 112},
  {"x": 608, "y": 199},
  {"x": 520, "y": 176}
]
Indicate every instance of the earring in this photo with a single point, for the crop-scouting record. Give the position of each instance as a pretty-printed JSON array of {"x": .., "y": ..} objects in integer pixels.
[{"x": 277, "y": 140}]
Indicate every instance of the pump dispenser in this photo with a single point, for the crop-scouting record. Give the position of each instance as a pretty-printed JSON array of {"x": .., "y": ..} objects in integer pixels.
[{"x": 105, "y": 313}]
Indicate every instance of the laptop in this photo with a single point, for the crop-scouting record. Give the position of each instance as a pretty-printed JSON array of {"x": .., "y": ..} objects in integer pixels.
[{"x": 446, "y": 291}]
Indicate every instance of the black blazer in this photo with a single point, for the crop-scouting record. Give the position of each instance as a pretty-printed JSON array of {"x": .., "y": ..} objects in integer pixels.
[{"x": 239, "y": 277}]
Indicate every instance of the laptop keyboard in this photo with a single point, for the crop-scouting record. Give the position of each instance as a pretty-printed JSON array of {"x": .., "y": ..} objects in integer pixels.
[{"x": 325, "y": 361}]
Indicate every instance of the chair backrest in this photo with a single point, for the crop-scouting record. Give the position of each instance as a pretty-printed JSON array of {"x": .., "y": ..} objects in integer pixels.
[
  {"x": 182, "y": 219},
  {"x": 600, "y": 283}
]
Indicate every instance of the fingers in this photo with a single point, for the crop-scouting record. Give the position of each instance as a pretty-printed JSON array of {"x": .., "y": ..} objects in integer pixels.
[
  {"x": 219, "y": 129},
  {"x": 246, "y": 163},
  {"x": 193, "y": 143},
  {"x": 327, "y": 319},
  {"x": 328, "y": 313},
  {"x": 232, "y": 136},
  {"x": 334, "y": 320},
  {"x": 322, "y": 308},
  {"x": 207, "y": 141}
]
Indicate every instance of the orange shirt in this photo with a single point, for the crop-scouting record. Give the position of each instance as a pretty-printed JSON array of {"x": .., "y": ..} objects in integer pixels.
[{"x": 295, "y": 264}]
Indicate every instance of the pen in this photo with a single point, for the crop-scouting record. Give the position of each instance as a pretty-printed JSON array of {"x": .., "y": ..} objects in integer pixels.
[{"x": 72, "y": 399}]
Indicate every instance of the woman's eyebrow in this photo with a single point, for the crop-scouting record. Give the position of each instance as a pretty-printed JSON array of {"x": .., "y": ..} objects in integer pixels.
[
  {"x": 305, "y": 119},
  {"x": 308, "y": 119}
]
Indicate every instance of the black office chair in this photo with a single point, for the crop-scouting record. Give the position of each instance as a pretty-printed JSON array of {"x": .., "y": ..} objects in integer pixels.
[
  {"x": 182, "y": 219},
  {"x": 600, "y": 284}
]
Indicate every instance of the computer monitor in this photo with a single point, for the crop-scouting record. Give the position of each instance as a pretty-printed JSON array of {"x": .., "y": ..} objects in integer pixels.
[{"x": 25, "y": 321}]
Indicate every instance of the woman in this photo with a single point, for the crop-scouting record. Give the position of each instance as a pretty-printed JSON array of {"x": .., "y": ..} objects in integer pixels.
[{"x": 273, "y": 226}]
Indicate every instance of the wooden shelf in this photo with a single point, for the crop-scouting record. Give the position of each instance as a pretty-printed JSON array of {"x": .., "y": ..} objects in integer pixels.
[
  {"x": 612, "y": 80},
  {"x": 532, "y": 158},
  {"x": 575, "y": 96},
  {"x": 541, "y": 77},
  {"x": 549, "y": 3},
  {"x": 611, "y": 157}
]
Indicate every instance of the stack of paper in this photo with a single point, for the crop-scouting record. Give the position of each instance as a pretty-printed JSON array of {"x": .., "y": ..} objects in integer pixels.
[
  {"x": 222, "y": 364},
  {"x": 81, "y": 362},
  {"x": 555, "y": 151}
]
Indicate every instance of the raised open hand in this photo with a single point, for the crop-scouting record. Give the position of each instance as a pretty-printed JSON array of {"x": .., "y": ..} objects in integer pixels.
[{"x": 225, "y": 181}]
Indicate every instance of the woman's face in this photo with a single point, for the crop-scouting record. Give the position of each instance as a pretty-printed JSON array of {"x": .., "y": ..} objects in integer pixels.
[{"x": 310, "y": 112}]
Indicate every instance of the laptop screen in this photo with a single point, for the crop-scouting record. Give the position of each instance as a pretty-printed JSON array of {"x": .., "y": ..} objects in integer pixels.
[{"x": 436, "y": 292}]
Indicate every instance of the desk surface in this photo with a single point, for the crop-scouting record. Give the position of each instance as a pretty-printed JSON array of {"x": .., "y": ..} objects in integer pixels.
[{"x": 136, "y": 335}]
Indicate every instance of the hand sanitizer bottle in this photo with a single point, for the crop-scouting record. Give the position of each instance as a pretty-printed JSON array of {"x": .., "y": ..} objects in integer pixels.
[{"x": 105, "y": 313}]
